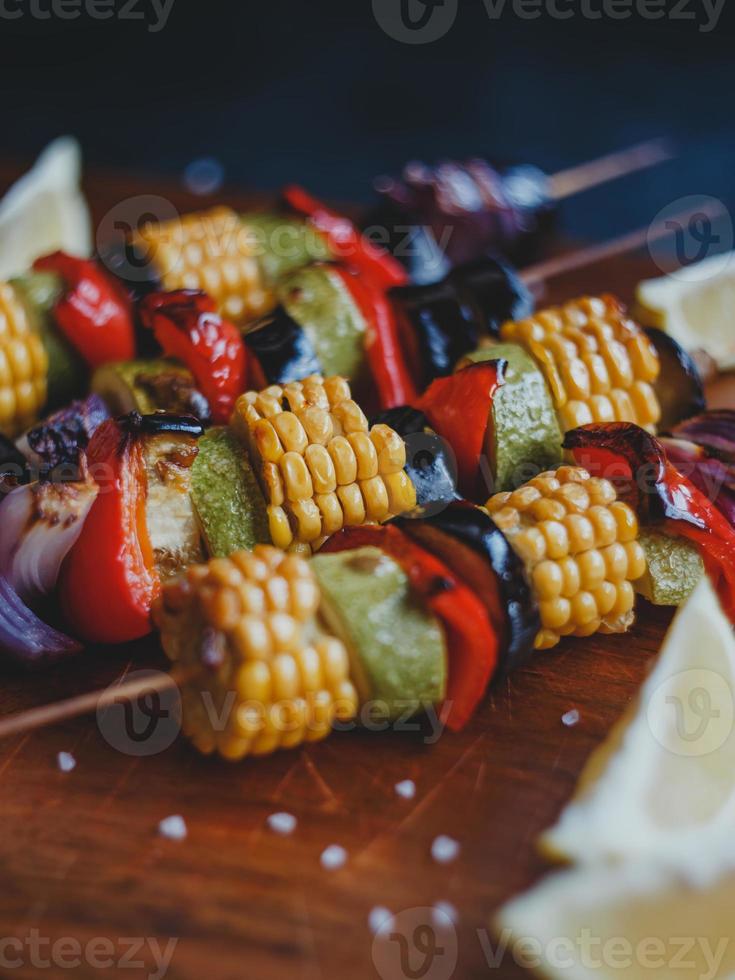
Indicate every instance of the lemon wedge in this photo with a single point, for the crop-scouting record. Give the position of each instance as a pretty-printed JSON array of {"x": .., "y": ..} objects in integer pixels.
[
  {"x": 631, "y": 922},
  {"x": 662, "y": 788},
  {"x": 45, "y": 210},
  {"x": 696, "y": 306}
]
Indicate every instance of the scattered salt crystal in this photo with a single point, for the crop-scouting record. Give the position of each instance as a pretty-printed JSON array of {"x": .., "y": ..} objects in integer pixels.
[
  {"x": 66, "y": 761},
  {"x": 378, "y": 918},
  {"x": 173, "y": 828},
  {"x": 333, "y": 857},
  {"x": 443, "y": 911},
  {"x": 571, "y": 718},
  {"x": 204, "y": 176},
  {"x": 444, "y": 849},
  {"x": 282, "y": 823},
  {"x": 406, "y": 789}
]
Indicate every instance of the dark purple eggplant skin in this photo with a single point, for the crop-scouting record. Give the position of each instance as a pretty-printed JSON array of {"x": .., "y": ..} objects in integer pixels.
[
  {"x": 679, "y": 388},
  {"x": 430, "y": 461},
  {"x": 475, "y": 528},
  {"x": 60, "y": 438},
  {"x": 155, "y": 425},
  {"x": 648, "y": 493},
  {"x": 13, "y": 464},
  {"x": 445, "y": 324},
  {"x": 282, "y": 348},
  {"x": 495, "y": 290}
]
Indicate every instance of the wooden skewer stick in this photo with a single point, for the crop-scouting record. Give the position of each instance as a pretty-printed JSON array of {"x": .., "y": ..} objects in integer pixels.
[
  {"x": 630, "y": 242},
  {"x": 566, "y": 183},
  {"x": 85, "y": 704}
]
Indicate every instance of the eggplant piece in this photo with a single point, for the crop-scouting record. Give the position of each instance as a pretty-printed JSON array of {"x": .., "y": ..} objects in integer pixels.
[
  {"x": 458, "y": 535},
  {"x": 59, "y": 439},
  {"x": 430, "y": 461},
  {"x": 150, "y": 386},
  {"x": 495, "y": 290},
  {"x": 282, "y": 348},
  {"x": 445, "y": 324},
  {"x": 679, "y": 387}
]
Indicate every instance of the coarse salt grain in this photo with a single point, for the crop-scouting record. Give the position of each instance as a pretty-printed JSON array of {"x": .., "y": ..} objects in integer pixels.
[
  {"x": 443, "y": 911},
  {"x": 444, "y": 849},
  {"x": 333, "y": 857},
  {"x": 66, "y": 761},
  {"x": 282, "y": 823},
  {"x": 378, "y": 918},
  {"x": 406, "y": 789},
  {"x": 571, "y": 718},
  {"x": 173, "y": 828}
]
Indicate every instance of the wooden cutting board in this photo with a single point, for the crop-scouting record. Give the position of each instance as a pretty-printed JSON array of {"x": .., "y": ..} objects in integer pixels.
[{"x": 82, "y": 860}]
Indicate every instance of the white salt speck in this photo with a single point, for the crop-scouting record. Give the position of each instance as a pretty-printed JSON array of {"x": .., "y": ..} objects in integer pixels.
[
  {"x": 571, "y": 718},
  {"x": 443, "y": 911},
  {"x": 406, "y": 789},
  {"x": 66, "y": 761},
  {"x": 333, "y": 857},
  {"x": 282, "y": 823},
  {"x": 204, "y": 176},
  {"x": 173, "y": 828},
  {"x": 444, "y": 849},
  {"x": 379, "y": 917}
]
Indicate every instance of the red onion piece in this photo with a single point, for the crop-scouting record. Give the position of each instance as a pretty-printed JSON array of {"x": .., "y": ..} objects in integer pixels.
[{"x": 24, "y": 638}]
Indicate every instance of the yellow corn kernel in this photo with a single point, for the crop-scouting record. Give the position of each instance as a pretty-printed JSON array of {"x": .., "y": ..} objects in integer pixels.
[
  {"x": 626, "y": 520},
  {"x": 266, "y": 441},
  {"x": 524, "y": 497},
  {"x": 350, "y": 416},
  {"x": 555, "y": 613},
  {"x": 296, "y": 477},
  {"x": 636, "y": 560},
  {"x": 375, "y": 496},
  {"x": 599, "y": 375},
  {"x": 337, "y": 390},
  {"x": 274, "y": 484},
  {"x": 574, "y": 414},
  {"x": 317, "y": 424},
  {"x": 571, "y": 577},
  {"x": 331, "y": 511},
  {"x": 557, "y": 538},
  {"x": 279, "y": 527},
  {"x": 616, "y": 562},
  {"x": 308, "y": 520},
  {"x": 592, "y": 570},
  {"x": 606, "y": 595},
  {"x": 353, "y": 506},
  {"x": 321, "y": 468},
  {"x": 401, "y": 492},
  {"x": 548, "y": 580},
  {"x": 580, "y": 531},
  {"x": 365, "y": 454},
  {"x": 291, "y": 432},
  {"x": 390, "y": 447},
  {"x": 344, "y": 459}
]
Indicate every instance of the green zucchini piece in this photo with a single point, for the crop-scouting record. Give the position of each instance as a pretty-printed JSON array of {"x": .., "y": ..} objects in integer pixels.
[
  {"x": 318, "y": 300},
  {"x": 525, "y": 438},
  {"x": 284, "y": 244},
  {"x": 146, "y": 387},
  {"x": 226, "y": 495},
  {"x": 67, "y": 371},
  {"x": 675, "y": 568},
  {"x": 397, "y": 647}
]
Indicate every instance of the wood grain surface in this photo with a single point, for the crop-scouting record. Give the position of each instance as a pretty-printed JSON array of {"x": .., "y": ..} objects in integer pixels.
[{"x": 82, "y": 860}]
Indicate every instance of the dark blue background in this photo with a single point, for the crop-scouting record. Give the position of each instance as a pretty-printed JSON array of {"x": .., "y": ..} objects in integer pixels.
[{"x": 315, "y": 91}]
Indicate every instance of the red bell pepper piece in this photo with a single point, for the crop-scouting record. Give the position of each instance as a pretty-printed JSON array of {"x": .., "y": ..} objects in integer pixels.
[
  {"x": 94, "y": 313},
  {"x": 458, "y": 407},
  {"x": 472, "y": 642},
  {"x": 636, "y": 464},
  {"x": 382, "y": 346},
  {"x": 187, "y": 326},
  {"x": 109, "y": 579},
  {"x": 346, "y": 242}
]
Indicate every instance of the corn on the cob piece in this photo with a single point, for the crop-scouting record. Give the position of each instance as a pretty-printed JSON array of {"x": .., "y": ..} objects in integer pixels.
[
  {"x": 23, "y": 365},
  {"x": 209, "y": 250},
  {"x": 599, "y": 364},
  {"x": 270, "y": 678},
  {"x": 580, "y": 546},
  {"x": 320, "y": 465}
]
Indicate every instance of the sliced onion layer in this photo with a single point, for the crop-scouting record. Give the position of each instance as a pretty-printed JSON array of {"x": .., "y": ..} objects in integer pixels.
[{"x": 24, "y": 638}]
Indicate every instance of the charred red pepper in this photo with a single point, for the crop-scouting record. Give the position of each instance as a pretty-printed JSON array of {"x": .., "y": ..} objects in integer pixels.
[
  {"x": 94, "y": 314},
  {"x": 471, "y": 639},
  {"x": 636, "y": 464},
  {"x": 458, "y": 407},
  {"x": 109, "y": 579},
  {"x": 346, "y": 242},
  {"x": 187, "y": 326},
  {"x": 382, "y": 345}
]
